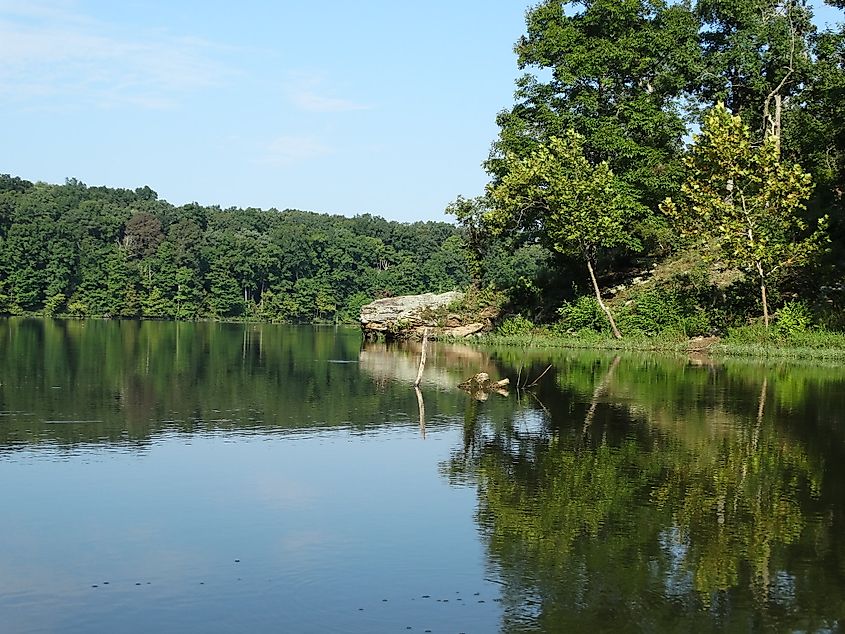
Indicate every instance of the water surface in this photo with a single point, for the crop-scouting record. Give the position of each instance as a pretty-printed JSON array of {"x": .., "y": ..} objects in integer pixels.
[{"x": 223, "y": 478}]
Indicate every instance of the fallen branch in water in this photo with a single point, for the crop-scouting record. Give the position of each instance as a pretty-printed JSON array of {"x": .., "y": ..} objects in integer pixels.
[
  {"x": 421, "y": 406},
  {"x": 537, "y": 380}
]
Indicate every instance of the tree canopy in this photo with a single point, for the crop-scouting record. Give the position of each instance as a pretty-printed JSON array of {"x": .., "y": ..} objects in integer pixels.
[
  {"x": 88, "y": 251},
  {"x": 569, "y": 202}
]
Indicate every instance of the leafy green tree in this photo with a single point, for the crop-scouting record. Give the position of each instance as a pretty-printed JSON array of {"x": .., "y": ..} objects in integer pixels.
[
  {"x": 186, "y": 236},
  {"x": 568, "y": 201},
  {"x": 156, "y": 304},
  {"x": 188, "y": 297},
  {"x": 615, "y": 72},
  {"x": 124, "y": 253},
  {"x": 142, "y": 234},
  {"x": 447, "y": 267},
  {"x": 756, "y": 57},
  {"x": 476, "y": 235},
  {"x": 814, "y": 133},
  {"x": 123, "y": 282},
  {"x": 225, "y": 296},
  {"x": 747, "y": 201}
]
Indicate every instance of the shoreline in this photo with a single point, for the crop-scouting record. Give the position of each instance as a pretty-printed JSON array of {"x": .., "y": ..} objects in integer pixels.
[
  {"x": 719, "y": 348},
  {"x": 775, "y": 349}
]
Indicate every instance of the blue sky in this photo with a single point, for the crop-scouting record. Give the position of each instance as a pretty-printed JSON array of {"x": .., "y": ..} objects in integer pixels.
[{"x": 332, "y": 106}]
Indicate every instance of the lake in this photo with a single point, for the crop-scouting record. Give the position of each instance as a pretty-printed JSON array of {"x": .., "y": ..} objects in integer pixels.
[{"x": 181, "y": 477}]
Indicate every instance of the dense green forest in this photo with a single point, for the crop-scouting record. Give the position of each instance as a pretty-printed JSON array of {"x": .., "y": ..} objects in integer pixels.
[
  {"x": 85, "y": 251},
  {"x": 670, "y": 165}
]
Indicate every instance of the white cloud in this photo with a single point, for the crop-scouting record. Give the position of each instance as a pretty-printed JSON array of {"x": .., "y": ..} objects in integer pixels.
[
  {"x": 52, "y": 9},
  {"x": 49, "y": 51},
  {"x": 307, "y": 92},
  {"x": 291, "y": 149}
]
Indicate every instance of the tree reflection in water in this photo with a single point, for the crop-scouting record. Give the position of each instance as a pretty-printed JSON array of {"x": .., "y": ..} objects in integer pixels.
[{"x": 656, "y": 494}]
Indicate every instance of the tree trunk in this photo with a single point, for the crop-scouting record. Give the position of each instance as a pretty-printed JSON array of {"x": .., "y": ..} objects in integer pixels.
[
  {"x": 763, "y": 295},
  {"x": 765, "y": 304},
  {"x": 606, "y": 310}
]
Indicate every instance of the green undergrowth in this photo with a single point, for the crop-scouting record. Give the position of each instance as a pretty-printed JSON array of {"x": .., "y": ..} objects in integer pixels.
[
  {"x": 748, "y": 341},
  {"x": 782, "y": 341},
  {"x": 546, "y": 338},
  {"x": 475, "y": 305}
]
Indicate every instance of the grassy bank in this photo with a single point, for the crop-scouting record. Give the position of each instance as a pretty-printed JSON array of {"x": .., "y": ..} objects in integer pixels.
[{"x": 749, "y": 341}]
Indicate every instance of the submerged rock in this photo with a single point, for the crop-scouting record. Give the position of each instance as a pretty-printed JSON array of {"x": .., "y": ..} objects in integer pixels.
[{"x": 480, "y": 385}]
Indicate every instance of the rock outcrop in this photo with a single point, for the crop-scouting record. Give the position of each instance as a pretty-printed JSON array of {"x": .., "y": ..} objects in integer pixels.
[{"x": 408, "y": 316}]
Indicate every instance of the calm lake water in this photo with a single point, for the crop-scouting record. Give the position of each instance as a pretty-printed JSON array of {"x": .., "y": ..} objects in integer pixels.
[{"x": 257, "y": 478}]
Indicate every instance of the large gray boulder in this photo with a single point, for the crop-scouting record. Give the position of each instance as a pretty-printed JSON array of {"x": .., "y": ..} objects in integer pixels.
[{"x": 393, "y": 315}]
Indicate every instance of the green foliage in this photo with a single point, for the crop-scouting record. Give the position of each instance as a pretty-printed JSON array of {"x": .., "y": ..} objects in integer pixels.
[
  {"x": 582, "y": 314},
  {"x": 54, "y": 303},
  {"x": 515, "y": 326},
  {"x": 77, "y": 309},
  {"x": 571, "y": 204},
  {"x": 793, "y": 318},
  {"x": 354, "y": 303},
  {"x": 559, "y": 193},
  {"x": 616, "y": 74},
  {"x": 625, "y": 79},
  {"x": 92, "y": 251},
  {"x": 475, "y": 232},
  {"x": 814, "y": 134},
  {"x": 764, "y": 340},
  {"x": 746, "y": 201},
  {"x": 666, "y": 312},
  {"x": 765, "y": 43}
]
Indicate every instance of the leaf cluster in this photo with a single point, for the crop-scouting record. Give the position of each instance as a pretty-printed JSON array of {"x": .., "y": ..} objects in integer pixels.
[
  {"x": 567, "y": 200},
  {"x": 745, "y": 199}
]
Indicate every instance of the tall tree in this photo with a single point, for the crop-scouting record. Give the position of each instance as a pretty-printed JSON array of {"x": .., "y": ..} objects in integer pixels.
[
  {"x": 756, "y": 57},
  {"x": 614, "y": 71},
  {"x": 746, "y": 200},
  {"x": 569, "y": 202},
  {"x": 814, "y": 132}
]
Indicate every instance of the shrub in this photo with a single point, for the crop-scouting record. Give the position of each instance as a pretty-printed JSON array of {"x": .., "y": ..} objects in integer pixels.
[
  {"x": 793, "y": 318},
  {"x": 77, "y": 309},
  {"x": 750, "y": 334},
  {"x": 54, "y": 303},
  {"x": 664, "y": 311},
  {"x": 582, "y": 314},
  {"x": 516, "y": 325}
]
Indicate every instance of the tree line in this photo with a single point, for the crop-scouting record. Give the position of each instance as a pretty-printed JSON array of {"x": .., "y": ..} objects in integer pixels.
[
  {"x": 98, "y": 251},
  {"x": 706, "y": 133}
]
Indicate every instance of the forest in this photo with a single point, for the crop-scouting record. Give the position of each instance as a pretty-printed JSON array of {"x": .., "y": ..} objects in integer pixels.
[
  {"x": 666, "y": 167},
  {"x": 96, "y": 251},
  {"x": 670, "y": 167}
]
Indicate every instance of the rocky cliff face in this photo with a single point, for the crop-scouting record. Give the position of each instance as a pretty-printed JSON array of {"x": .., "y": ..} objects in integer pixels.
[{"x": 407, "y": 317}]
